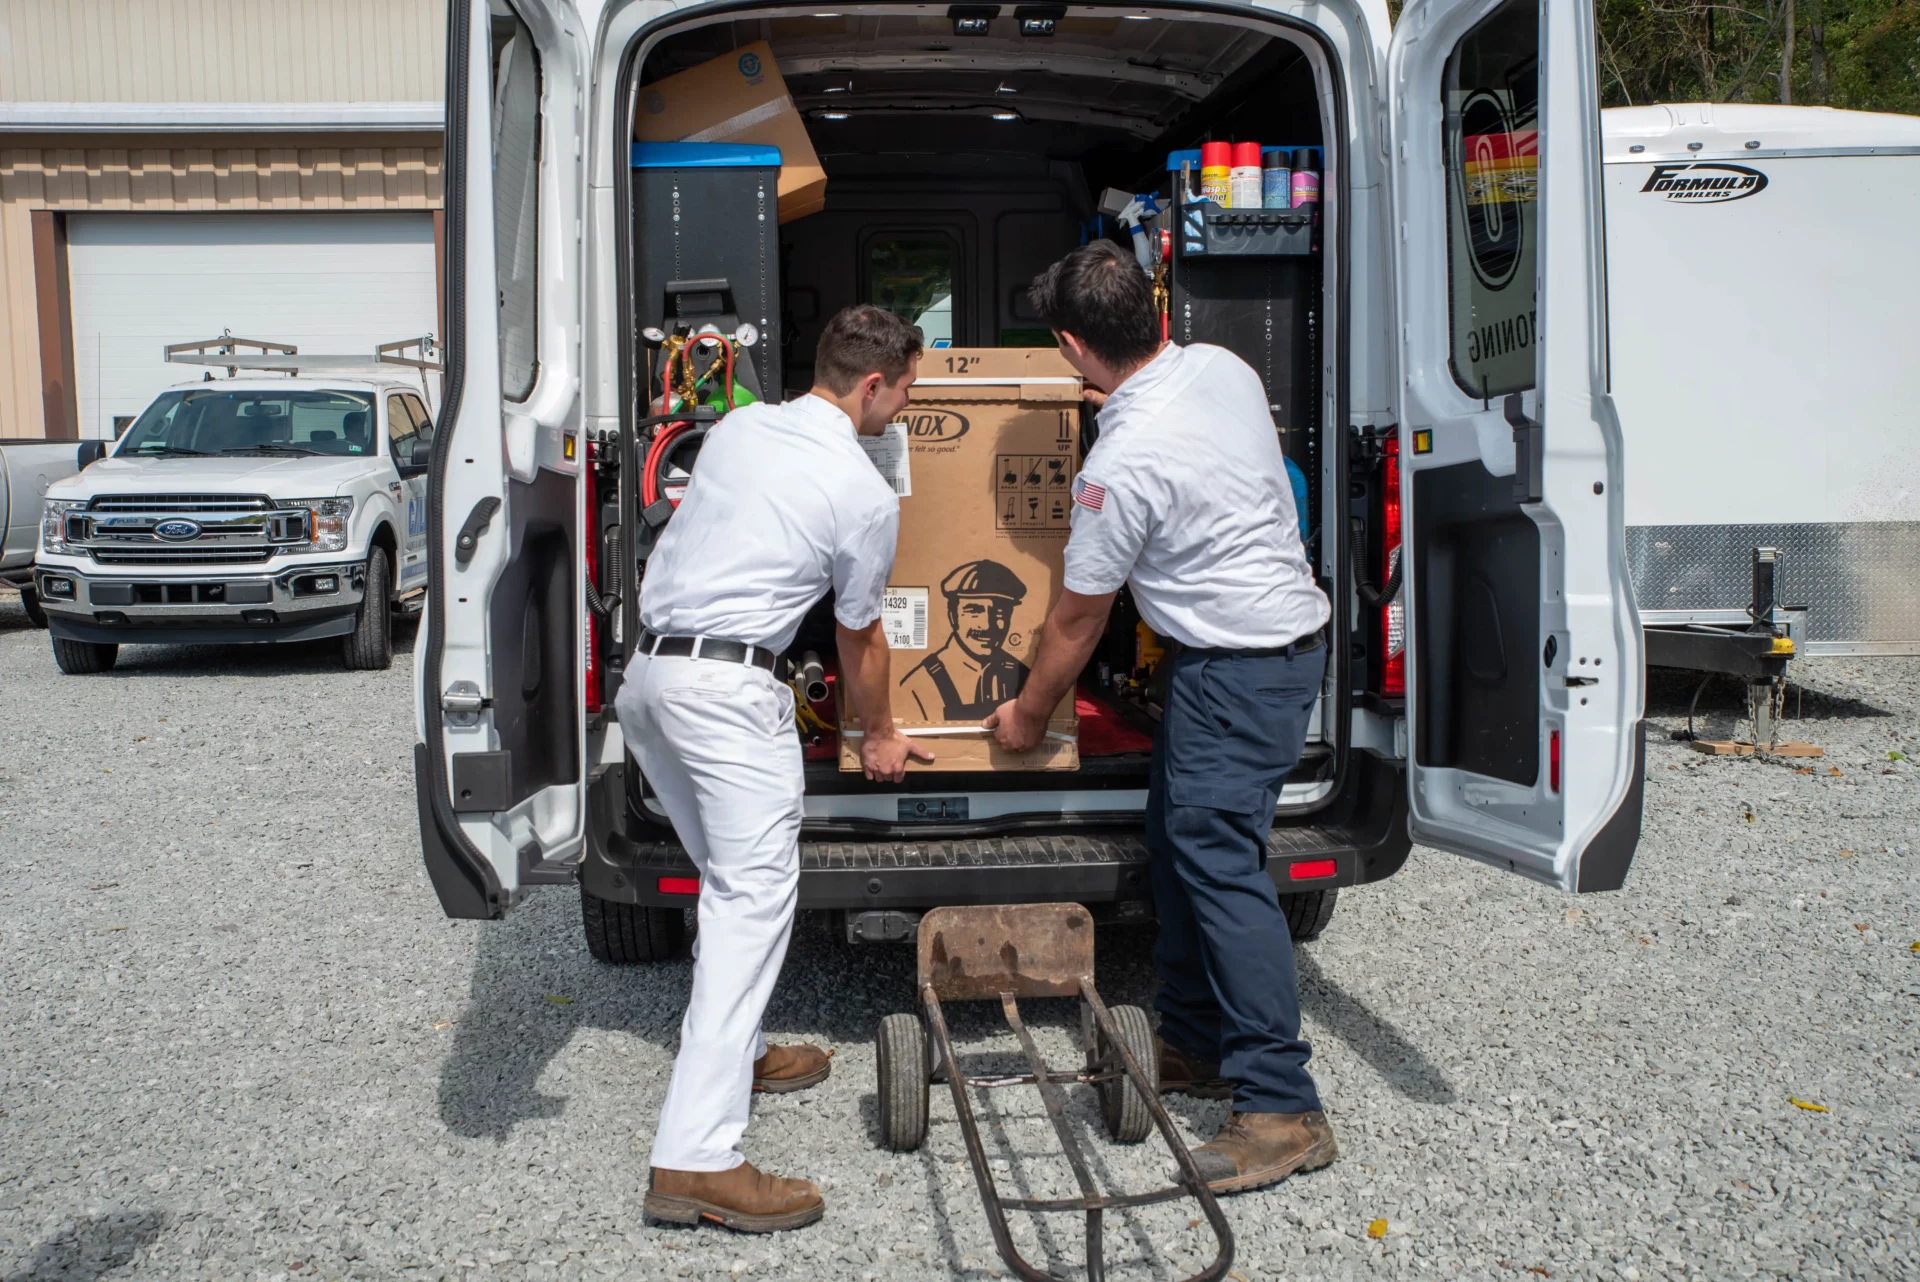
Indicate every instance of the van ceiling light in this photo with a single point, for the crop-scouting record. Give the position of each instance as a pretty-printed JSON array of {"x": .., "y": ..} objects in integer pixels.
[
  {"x": 1004, "y": 87},
  {"x": 1039, "y": 19},
  {"x": 1135, "y": 17},
  {"x": 1006, "y": 115},
  {"x": 972, "y": 19},
  {"x": 833, "y": 115}
]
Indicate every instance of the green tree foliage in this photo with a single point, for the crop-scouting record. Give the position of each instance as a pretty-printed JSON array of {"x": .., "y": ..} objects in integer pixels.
[{"x": 1859, "y": 54}]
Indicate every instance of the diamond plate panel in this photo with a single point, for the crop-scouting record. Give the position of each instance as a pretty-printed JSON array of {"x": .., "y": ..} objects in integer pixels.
[
  {"x": 1860, "y": 580},
  {"x": 991, "y": 852}
]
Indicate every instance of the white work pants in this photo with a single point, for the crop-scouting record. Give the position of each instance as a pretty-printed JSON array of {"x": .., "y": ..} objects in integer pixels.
[{"x": 717, "y": 742}]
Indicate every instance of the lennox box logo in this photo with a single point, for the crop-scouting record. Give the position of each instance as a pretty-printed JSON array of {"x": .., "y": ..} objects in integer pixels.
[
  {"x": 1705, "y": 182},
  {"x": 934, "y": 427},
  {"x": 750, "y": 67}
]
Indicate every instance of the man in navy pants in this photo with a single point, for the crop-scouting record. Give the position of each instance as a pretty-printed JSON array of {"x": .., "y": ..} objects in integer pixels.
[{"x": 1185, "y": 498}]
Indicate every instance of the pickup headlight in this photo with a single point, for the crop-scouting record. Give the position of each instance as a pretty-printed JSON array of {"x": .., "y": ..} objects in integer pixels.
[
  {"x": 53, "y": 523},
  {"x": 327, "y": 521}
]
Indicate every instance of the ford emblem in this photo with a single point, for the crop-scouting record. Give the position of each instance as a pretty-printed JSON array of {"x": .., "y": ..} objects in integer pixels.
[{"x": 177, "y": 531}]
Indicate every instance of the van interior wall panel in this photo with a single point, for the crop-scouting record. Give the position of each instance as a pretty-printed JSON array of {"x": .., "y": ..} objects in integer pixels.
[
  {"x": 1262, "y": 310},
  {"x": 1476, "y": 583},
  {"x": 532, "y": 641}
]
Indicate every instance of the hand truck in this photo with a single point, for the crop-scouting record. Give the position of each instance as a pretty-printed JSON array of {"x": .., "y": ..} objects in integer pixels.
[{"x": 1033, "y": 950}]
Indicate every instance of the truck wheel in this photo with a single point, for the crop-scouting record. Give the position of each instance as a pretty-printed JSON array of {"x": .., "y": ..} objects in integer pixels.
[
  {"x": 83, "y": 658},
  {"x": 1127, "y": 1117},
  {"x": 901, "y": 1055},
  {"x": 30, "y": 598},
  {"x": 622, "y": 934},
  {"x": 369, "y": 647},
  {"x": 1308, "y": 912}
]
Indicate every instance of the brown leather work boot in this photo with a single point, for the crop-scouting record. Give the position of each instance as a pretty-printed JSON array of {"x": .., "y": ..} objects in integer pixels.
[
  {"x": 1254, "y": 1150},
  {"x": 1183, "y": 1074},
  {"x": 743, "y": 1198},
  {"x": 791, "y": 1068}
]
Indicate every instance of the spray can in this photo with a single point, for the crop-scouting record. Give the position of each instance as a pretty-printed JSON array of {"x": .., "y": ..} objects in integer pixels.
[
  {"x": 1216, "y": 172},
  {"x": 1244, "y": 178},
  {"x": 1276, "y": 189},
  {"x": 1306, "y": 177}
]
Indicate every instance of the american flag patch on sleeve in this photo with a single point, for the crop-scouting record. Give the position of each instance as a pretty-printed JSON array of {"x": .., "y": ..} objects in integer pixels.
[{"x": 1090, "y": 495}]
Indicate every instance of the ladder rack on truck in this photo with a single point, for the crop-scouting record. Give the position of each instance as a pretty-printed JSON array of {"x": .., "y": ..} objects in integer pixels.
[{"x": 230, "y": 353}]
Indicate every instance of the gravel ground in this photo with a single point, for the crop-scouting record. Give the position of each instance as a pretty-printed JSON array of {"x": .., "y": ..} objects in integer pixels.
[{"x": 240, "y": 1040}]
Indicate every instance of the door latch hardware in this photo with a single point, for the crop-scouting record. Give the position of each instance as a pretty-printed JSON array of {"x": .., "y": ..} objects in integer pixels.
[
  {"x": 462, "y": 704},
  {"x": 472, "y": 528},
  {"x": 1528, "y": 445}
]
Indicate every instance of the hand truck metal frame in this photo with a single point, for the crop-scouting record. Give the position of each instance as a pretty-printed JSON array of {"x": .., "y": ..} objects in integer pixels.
[{"x": 1033, "y": 950}]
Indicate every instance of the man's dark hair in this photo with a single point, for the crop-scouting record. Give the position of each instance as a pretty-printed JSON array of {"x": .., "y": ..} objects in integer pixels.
[
  {"x": 1099, "y": 295},
  {"x": 860, "y": 340}
]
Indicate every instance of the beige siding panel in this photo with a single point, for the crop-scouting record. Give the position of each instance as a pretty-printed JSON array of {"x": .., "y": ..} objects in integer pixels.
[
  {"x": 155, "y": 179},
  {"x": 222, "y": 50},
  {"x": 20, "y": 410}
]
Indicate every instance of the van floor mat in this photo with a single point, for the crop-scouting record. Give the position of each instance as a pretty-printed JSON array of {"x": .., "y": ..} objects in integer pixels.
[{"x": 1105, "y": 730}]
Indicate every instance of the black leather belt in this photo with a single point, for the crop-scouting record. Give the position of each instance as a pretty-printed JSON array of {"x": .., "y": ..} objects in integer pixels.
[
  {"x": 1305, "y": 645},
  {"x": 709, "y": 648}
]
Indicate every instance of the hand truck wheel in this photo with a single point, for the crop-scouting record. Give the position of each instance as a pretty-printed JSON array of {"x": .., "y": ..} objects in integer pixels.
[
  {"x": 1126, "y": 1115},
  {"x": 902, "y": 1060}
]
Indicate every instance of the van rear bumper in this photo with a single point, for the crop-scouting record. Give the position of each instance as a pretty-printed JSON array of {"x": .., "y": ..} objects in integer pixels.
[{"x": 1363, "y": 835}]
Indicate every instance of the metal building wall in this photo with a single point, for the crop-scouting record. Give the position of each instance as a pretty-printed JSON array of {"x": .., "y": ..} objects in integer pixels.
[
  {"x": 307, "y": 175},
  {"x": 266, "y": 51}
]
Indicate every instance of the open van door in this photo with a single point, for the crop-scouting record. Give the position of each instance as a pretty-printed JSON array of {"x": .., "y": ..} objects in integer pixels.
[
  {"x": 498, "y": 669},
  {"x": 1524, "y": 693}
]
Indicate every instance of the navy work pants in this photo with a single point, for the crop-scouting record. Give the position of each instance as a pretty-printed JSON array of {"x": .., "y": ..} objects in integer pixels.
[{"x": 1232, "y": 729}]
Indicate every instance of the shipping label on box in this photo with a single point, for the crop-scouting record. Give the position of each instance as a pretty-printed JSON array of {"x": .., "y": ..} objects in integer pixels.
[{"x": 991, "y": 447}]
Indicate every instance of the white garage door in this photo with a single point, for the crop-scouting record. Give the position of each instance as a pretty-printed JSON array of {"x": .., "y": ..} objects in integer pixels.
[{"x": 333, "y": 284}]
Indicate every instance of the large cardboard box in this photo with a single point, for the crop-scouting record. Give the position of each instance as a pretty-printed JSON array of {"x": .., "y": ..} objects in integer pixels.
[
  {"x": 983, "y": 460},
  {"x": 739, "y": 97}
]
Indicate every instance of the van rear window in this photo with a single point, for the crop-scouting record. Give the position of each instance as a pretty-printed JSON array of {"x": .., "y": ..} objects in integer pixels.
[{"x": 1491, "y": 99}]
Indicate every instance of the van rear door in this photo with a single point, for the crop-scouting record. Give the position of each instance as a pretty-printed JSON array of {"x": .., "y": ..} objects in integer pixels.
[
  {"x": 498, "y": 673},
  {"x": 1524, "y": 694}
]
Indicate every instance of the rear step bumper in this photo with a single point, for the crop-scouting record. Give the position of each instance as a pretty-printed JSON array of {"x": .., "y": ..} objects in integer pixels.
[{"x": 1363, "y": 835}]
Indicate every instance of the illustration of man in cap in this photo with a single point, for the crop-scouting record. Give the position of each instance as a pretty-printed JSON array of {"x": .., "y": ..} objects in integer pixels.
[{"x": 971, "y": 674}]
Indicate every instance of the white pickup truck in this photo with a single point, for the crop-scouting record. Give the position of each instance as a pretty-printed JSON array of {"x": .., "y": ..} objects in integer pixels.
[{"x": 245, "y": 510}]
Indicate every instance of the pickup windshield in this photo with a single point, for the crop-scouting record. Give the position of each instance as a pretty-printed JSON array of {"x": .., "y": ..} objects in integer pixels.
[{"x": 215, "y": 421}]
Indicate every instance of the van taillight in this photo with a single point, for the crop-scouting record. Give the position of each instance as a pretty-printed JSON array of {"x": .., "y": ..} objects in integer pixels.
[
  {"x": 1393, "y": 615},
  {"x": 1553, "y": 761}
]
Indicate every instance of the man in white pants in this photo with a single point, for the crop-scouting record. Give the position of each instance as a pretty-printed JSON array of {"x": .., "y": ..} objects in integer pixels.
[{"x": 783, "y": 506}]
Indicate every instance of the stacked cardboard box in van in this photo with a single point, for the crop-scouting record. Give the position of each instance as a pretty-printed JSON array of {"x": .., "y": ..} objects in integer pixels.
[
  {"x": 739, "y": 97},
  {"x": 983, "y": 460}
]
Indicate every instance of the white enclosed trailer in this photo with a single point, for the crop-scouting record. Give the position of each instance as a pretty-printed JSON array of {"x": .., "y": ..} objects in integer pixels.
[{"x": 1763, "y": 271}]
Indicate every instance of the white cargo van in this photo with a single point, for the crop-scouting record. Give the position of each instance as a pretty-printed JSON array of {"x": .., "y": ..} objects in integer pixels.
[
  {"x": 1443, "y": 372},
  {"x": 1763, "y": 267}
]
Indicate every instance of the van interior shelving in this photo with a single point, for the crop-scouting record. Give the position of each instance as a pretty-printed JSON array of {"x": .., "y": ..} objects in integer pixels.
[{"x": 958, "y": 167}]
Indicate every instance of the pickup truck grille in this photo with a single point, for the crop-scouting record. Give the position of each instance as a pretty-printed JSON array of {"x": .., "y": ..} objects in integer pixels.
[
  {"x": 222, "y": 529},
  {"x": 221, "y": 555},
  {"x": 184, "y": 504}
]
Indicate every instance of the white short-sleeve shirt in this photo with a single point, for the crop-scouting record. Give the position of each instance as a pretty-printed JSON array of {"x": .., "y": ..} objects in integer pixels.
[
  {"x": 782, "y": 505},
  {"x": 1185, "y": 496}
]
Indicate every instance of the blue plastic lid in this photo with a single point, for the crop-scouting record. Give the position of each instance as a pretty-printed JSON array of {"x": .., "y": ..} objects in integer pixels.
[
  {"x": 1191, "y": 156},
  {"x": 705, "y": 155}
]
